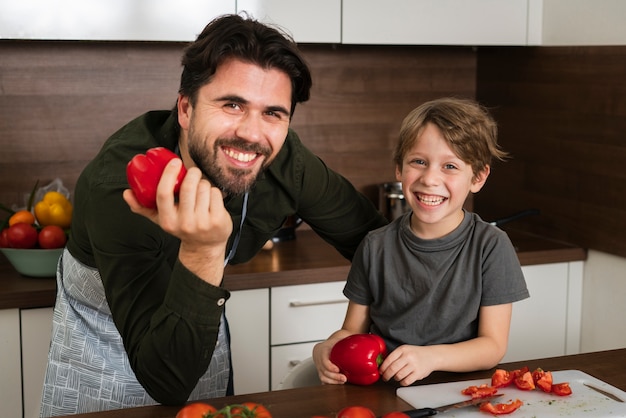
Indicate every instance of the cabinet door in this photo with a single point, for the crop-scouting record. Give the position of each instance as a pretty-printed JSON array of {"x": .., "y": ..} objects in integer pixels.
[
  {"x": 36, "y": 333},
  {"x": 435, "y": 22},
  {"x": 539, "y": 323},
  {"x": 286, "y": 357},
  {"x": 307, "y": 21},
  {"x": 11, "y": 382},
  {"x": 154, "y": 20},
  {"x": 308, "y": 312},
  {"x": 248, "y": 316}
]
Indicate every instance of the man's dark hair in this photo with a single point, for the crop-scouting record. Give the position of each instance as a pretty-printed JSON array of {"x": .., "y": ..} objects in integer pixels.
[{"x": 246, "y": 39}]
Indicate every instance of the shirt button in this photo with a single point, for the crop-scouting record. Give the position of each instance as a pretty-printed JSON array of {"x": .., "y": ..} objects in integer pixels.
[{"x": 221, "y": 301}]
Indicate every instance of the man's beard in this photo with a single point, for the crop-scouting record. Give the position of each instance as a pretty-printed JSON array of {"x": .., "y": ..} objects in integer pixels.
[{"x": 231, "y": 181}]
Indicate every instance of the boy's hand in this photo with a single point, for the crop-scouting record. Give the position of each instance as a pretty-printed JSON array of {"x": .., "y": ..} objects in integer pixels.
[
  {"x": 407, "y": 364},
  {"x": 327, "y": 371}
]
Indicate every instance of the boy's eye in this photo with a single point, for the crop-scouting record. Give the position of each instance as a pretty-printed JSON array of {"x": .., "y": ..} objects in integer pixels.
[
  {"x": 450, "y": 166},
  {"x": 419, "y": 162}
]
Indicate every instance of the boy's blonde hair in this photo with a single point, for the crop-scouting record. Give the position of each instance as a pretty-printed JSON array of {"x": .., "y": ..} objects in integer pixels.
[{"x": 467, "y": 127}]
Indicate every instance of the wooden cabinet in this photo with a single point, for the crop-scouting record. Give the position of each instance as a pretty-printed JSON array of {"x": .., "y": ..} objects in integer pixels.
[
  {"x": 435, "y": 22},
  {"x": 24, "y": 342},
  {"x": 306, "y": 21},
  {"x": 301, "y": 316},
  {"x": 549, "y": 322}
]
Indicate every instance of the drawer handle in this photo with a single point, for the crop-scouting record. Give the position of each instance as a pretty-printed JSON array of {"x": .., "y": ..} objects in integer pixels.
[{"x": 298, "y": 304}]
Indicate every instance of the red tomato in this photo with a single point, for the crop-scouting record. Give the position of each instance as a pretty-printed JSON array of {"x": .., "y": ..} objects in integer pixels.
[
  {"x": 195, "y": 410},
  {"x": 396, "y": 414},
  {"x": 356, "y": 412},
  {"x": 257, "y": 410},
  {"x": 4, "y": 238},
  {"x": 22, "y": 235},
  {"x": 562, "y": 389},
  {"x": 479, "y": 391},
  {"x": 501, "y": 408},
  {"x": 502, "y": 378},
  {"x": 525, "y": 381},
  {"x": 51, "y": 236},
  {"x": 543, "y": 380}
]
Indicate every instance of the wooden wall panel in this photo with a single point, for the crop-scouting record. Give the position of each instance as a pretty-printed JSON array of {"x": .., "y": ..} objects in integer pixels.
[
  {"x": 59, "y": 101},
  {"x": 562, "y": 115}
]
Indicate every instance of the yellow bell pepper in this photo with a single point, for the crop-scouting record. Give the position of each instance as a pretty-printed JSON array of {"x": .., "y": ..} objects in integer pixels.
[{"x": 54, "y": 209}]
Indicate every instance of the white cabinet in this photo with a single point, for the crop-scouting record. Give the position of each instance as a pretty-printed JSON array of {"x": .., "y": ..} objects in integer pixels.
[
  {"x": 576, "y": 22},
  {"x": 306, "y": 21},
  {"x": 140, "y": 20},
  {"x": 248, "y": 316},
  {"x": 11, "y": 382},
  {"x": 301, "y": 316},
  {"x": 548, "y": 323},
  {"x": 36, "y": 334},
  {"x": 435, "y": 22},
  {"x": 24, "y": 342}
]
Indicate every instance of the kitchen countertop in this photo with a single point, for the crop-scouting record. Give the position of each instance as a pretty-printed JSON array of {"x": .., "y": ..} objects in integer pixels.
[
  {"x": 307, "y": 259},
  {"x": 608, "y": 366}
]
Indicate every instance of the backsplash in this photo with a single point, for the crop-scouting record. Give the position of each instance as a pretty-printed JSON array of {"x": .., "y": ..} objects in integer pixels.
[{"x": 59, "y": 101}]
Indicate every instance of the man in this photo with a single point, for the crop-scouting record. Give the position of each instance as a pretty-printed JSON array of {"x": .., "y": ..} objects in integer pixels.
[{"x": 139, "y": 312}]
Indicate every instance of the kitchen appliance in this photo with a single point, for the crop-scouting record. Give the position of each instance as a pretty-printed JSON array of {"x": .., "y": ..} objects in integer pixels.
[
  {"x": 583, "y": 402},
  {"x": 391, "y": 202}
]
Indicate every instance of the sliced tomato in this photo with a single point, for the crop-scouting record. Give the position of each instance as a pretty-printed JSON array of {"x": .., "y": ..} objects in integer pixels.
[
  {"x": 562, "y": 389},
  {"x": 501, "y": 408},
  {"x": 502, "y": 378},
  {"x": 479, "y": 391},
  {"x": 525, "y": 381},
  {"x": 543, "y": 380}
]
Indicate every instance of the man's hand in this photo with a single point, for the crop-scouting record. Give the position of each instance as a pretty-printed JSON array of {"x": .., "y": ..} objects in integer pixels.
[{"x": 199, "y": 219}]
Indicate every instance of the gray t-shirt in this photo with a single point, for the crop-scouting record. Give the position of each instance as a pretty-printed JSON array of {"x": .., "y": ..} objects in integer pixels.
[{"x": 425, "y": 292}]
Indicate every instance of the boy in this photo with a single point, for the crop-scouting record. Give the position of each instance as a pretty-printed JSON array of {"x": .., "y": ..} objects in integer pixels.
[{"x": 438, "y": 283}]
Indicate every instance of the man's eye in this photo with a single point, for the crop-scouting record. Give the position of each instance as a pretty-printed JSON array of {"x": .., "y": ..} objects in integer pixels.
[{"x": 232, "y": 105}]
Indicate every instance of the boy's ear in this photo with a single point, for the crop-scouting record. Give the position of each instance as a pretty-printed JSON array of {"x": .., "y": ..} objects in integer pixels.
[
  {"x": 398, "y": 173},
  {"x": 480, "y": 179}
]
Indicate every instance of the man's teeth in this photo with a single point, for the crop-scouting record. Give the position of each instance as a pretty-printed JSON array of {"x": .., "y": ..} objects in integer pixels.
[
  {"x": 431, "y": 200},
  {"x": 240, "y": 156}
]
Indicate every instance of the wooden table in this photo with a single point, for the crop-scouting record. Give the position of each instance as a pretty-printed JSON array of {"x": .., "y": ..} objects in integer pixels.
[{"x": 609, "y": 366}]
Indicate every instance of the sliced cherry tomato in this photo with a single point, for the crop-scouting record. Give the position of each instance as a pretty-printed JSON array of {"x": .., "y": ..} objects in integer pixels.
[
  {"x": 356, "y": 412},
  {"x": 543, "y": 380},
  {"x": 479, "y": 391},
  {"x": 562, "y": 389},
  {"x": 195, "y": 410},
  {"x": 501, "y": 408},
  {"x": 396, "y": 414},
  {"x": 502, "y": 378},
  {"x": 525, "y": 381}
]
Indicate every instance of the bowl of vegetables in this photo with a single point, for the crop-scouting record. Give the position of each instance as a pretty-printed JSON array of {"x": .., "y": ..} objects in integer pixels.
[{"x": 33, "y": 245}]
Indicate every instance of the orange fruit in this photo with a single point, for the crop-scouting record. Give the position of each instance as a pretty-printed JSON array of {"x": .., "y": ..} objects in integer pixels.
[{"x": 23, "y": 216}]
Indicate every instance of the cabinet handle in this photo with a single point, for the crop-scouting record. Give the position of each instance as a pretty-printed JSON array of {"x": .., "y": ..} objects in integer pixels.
[{"x": 298, "y": 304}]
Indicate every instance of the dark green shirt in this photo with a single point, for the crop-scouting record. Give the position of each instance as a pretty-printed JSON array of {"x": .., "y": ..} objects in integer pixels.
[{"x": 165, "y": 314}]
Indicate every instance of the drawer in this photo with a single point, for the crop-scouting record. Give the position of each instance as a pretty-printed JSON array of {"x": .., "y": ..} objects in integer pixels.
[
  {"x": 306, "y": 312},
  {"x": 286, "y": 357}
]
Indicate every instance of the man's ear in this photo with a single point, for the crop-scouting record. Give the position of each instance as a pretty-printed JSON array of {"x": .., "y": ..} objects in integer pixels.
[
  {"x": 184, "y": 111},
  {"x": 480, "y": 179}
]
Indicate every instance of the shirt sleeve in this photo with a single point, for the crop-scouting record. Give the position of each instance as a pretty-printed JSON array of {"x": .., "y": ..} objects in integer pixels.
[{"x": 167, "y": 316}]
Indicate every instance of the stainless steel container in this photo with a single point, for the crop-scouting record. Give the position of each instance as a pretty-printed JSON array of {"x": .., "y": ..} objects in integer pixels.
[{"x": 391, "y": 202}]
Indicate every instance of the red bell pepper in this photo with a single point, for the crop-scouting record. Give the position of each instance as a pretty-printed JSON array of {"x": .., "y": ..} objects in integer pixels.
[
  {"x": 144, "y": 172},
  {"x": 358, "y": 357}
]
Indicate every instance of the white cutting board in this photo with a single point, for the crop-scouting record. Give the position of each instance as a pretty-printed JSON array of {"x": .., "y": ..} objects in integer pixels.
[{"x": 583, "y": 402}]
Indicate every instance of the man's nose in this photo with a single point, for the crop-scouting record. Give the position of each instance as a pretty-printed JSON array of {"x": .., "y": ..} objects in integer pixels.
[{"x": 250, "y": 127}]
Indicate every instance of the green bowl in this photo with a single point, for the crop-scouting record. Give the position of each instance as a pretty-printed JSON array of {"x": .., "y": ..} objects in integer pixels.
[{"x": 33, "y": 262}]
